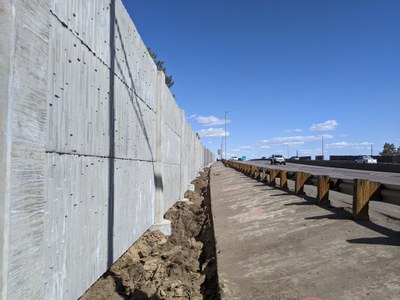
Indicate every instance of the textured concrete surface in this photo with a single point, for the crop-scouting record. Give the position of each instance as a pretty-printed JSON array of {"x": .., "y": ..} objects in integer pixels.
[
  {"x": 22, "y": 191},
  {"x": 5, "y": 66},
  {"x": 94, "y": 149},
  {"x": 275, "y": 245}
]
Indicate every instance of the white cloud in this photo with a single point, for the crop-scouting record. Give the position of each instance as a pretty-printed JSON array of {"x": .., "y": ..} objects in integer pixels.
[
  {"x": 242, "y": 148},
  {"x": 294, "y": 130},
  {"x": 306, "y": 152},
  {"x": 296, "y": 140},
  {"x": 210, "y": 121},
  {"x": 338, "y": 145},
  {"x": 213, "y": 132},
  {"x": 265, "y": 147},
  {"x": 191, "y": 117},
  {"x": 293, "y": 143},
  {"x": 328, "y": 125},
  {"x": 341, "y": 145}
]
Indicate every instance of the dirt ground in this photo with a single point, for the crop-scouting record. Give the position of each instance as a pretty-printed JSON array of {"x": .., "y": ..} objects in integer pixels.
[{"x": 181, "y": 266}]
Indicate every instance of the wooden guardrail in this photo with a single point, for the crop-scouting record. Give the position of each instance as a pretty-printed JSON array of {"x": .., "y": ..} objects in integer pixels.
[{"x": 362, "y": 190}]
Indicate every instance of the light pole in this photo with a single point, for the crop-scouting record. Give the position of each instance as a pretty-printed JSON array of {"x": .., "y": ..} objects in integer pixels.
[
  {"x": 226, "y": 112},
  {"x": 225, "y": 132}
]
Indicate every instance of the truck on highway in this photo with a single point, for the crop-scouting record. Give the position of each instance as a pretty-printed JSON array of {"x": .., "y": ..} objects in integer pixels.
[{"x": 277, "y": 159}]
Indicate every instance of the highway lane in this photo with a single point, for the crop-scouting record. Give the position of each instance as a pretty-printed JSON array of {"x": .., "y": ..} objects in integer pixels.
[{"x": 382, "y": 177}]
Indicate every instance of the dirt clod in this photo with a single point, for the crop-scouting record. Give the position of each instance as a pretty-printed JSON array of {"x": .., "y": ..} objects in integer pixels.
[{"x": 181, "y": 266}]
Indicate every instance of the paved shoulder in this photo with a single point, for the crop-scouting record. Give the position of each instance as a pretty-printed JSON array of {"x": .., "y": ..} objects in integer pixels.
[{"x": 275, "y": 245}]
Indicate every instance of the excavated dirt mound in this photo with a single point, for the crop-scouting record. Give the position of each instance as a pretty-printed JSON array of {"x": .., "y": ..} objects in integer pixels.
[{"x": 181, "y": 266}]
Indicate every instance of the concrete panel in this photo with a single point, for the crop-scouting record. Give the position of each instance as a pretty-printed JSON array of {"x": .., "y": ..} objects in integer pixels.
[
  {"x": 134, "y": 202},
  {"x": 90, "y": 21},
  {"x": 6, "y": 50},
  {"x": 76, "y": 222},
  {"x": 192, "y": 156},
  {"x": 78, "y": 97},
  {"x": 23, "y": 194},
  {"x": 135, "y": 126},
  {"x": 133, "y": 63},
  {"x": 171, "y": 112},
  {"x": 185, "y": 148},
  {"x": 198, "y": 155},
  {"x": 171, "y": 185},
  {"x": 170, "y": 145}
]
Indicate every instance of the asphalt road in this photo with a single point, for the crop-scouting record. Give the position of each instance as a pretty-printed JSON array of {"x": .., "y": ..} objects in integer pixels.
[{"x": 382, "y": 177}]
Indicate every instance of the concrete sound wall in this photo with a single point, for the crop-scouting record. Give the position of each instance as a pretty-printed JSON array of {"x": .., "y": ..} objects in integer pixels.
[{"x": 93, "y": 147}]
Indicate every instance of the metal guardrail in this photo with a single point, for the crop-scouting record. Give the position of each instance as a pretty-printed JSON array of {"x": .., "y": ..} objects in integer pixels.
[{"x": 362, "y": 190}]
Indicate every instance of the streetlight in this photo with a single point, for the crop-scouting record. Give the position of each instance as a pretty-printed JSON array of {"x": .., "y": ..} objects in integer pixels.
[
  {"x": 225, "y": 132},
  {"x": 226, "y": 112},
  {"x": 222, "y": 147}
]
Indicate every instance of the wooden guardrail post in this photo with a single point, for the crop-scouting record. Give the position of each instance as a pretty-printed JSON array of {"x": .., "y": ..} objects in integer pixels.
[
  {"x": 248, "y": 170},
  {"x": 273, "y": 173},
  {"x": 364, "y": 190},
  {"x": 301, "y": 178},
  {"x": 323, "y": 190},
  {"x": 253, "y": 172},
  {"x": 257, "y": 173},
  {"x": 283, "y": 180},
  {"x": 263, "y": 176}
]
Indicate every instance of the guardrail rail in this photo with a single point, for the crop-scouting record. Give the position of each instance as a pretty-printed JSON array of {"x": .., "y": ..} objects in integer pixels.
[{"x": 362, "y": 190}]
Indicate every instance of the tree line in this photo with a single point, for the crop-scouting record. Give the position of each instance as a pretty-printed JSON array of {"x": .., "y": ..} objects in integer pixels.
[
  {"x": 390, "y": 150},
  {"x": 160, "y": 67}
]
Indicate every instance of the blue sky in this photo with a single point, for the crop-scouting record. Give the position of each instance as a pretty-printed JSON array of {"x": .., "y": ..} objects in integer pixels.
[{"x": 287, "y": 72}]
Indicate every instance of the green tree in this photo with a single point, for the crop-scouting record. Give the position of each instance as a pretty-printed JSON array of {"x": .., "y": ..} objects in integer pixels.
[
  {"x": 160, "y": 67},
  {"x": 389, "y": 150}
]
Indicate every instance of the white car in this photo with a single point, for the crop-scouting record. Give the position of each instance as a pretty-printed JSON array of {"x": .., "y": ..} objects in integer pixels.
[
  {"x": 366, "y": 159},
  {"x": 234, "y": 158}
]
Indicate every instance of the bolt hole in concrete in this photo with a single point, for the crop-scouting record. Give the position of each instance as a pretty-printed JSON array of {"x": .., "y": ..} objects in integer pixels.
[{"x": 181, "y": 266}]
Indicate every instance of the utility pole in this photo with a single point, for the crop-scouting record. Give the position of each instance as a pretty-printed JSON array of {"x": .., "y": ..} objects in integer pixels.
[{"x": 372, "y": 150}]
